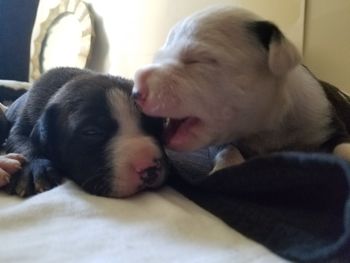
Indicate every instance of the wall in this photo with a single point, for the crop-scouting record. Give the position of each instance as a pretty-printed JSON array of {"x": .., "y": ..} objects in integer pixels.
[
  {"x": 16, "y": 16},
  {"x": 327, "y": 40},
  {"x": 135, "y": 29},
  {"x": 129, "y": 32}
]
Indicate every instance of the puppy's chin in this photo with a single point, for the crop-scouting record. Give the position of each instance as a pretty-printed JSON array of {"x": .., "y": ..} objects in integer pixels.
[
  {"x": 131, "y": 183},
  {"x": 187, "y": 134},
  {"x": 126, "y": 184}
]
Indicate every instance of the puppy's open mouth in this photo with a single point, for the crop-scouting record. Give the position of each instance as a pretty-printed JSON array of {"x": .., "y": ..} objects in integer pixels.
[{"x": 177, "y": 131}]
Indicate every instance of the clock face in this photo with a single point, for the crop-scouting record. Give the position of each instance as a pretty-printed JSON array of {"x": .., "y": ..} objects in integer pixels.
[{"x": 64, "y": 38}]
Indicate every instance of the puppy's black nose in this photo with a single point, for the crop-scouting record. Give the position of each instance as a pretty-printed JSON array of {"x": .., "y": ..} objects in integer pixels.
[
  {"x": 150, "y": 175},
  {"x": 136, "y": 95},
  {"x": 139, "y": 94}
]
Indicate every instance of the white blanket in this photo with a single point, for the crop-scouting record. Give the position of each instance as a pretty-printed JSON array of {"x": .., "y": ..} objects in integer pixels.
[{"x": 69, "y": 225}]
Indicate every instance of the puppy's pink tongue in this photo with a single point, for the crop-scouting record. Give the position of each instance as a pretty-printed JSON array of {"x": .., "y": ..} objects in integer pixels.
[{"x": 178, "y": 132}]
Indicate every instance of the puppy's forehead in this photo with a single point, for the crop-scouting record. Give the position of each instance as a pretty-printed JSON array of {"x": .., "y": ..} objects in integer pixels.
[
  {"x": 89, "y": 88},
  {"x": 124, "y": 111},
  {"x": 99, "y": 96},
  {"x": 220, "y": 15},
  {"x": 219, "y": 19}
]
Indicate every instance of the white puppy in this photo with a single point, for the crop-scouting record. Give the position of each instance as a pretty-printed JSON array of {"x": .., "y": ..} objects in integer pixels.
[{"x": 226, "y": 77}]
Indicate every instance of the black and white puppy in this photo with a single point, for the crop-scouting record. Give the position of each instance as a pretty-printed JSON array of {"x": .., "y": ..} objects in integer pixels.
[
  {"x": 226, "y": 77},
  {"x": 84, "y": 126}
]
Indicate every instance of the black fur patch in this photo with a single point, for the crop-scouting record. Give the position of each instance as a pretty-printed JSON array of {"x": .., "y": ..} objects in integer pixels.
[
  {"x": 4, "y": 127},
  {"x": 70, "y": 135},
  {"x": 266, "y": 32}
]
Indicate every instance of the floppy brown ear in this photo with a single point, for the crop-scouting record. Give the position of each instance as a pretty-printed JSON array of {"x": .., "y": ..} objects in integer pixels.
[{"x": 282, "y": 54}]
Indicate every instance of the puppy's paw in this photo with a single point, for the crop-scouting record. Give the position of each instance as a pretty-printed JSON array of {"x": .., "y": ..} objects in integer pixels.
[
  {"x": 4, "y": 178},
  {"x": 37, "y": 176},
  {"x": 229, "y": 156},
  {"x": 342, "y": 150},
  {"x": 9, "y": 164}
]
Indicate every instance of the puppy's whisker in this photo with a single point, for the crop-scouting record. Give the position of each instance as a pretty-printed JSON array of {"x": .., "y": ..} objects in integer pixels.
[
  {"x": 97, "y": 175},
  {"x": 88, "y": 180}
]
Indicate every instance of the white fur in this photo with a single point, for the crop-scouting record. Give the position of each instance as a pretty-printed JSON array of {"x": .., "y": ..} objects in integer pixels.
[
  {"x": 129, "y": 146},
  {"x": 3, "y": 107},
  {"x": 213, "y": 68},
  {"x": 229, "y": 156},
  {"x": 283, "y": 56}
]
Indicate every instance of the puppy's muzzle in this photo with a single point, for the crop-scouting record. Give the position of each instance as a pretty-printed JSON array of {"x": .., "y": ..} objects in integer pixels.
[
  {"x": 137, "y": 95},
  {"x": 150, "y": 175},
  {"x": 140, "y": 90}
]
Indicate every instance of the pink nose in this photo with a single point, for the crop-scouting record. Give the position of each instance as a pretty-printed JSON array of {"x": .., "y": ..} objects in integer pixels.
[
  {"x": 141, "y": 89},
  {"x": 148, "y": 170}
]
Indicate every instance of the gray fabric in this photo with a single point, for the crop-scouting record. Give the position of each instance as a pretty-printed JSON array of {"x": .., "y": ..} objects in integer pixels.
[{"x": 295, "y": 204}]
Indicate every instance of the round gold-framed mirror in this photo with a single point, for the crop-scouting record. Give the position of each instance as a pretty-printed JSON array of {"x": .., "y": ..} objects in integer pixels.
[{"x": 63, "y": 38}]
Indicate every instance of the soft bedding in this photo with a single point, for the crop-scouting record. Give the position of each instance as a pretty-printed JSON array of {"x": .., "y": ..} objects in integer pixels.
[
  {"x": 69, "y": 225},
  {"x": 296, "y": 205}
]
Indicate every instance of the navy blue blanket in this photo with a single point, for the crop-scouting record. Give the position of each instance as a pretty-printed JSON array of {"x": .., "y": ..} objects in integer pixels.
[{"x": 295, "y": 204}]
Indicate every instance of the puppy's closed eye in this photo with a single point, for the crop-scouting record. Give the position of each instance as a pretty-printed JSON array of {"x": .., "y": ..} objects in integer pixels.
[
  {"x": 92, "y": 131},
  {"x": 190, "y": 61},
  {"x": 200, "y": 60},
  {"x": 92, "y": 134}
]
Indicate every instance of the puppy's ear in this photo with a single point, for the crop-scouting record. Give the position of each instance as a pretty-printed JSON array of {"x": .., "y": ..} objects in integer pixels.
[
  {"x": 44, "y": 128},
  {"x": 282, "y": 54}
]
